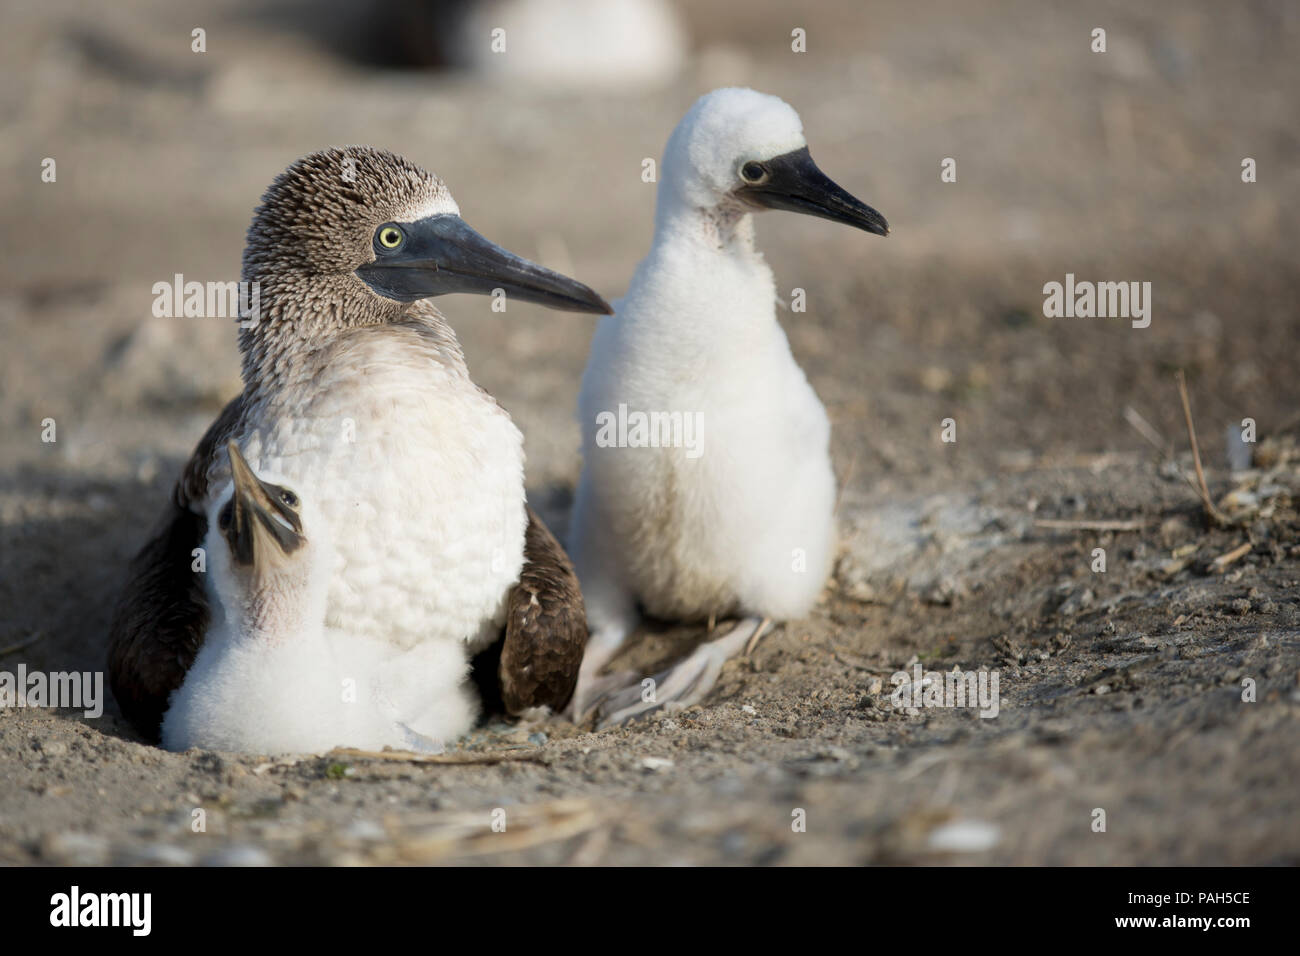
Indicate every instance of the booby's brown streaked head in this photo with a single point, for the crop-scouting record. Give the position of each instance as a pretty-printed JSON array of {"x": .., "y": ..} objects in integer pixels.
[{"x": 353, "y": 235}]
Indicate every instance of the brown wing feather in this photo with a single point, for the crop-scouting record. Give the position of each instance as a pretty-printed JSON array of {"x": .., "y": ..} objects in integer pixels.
[
  {"x": 546, "y": 627},
  {"x": 162, "y": 615}
]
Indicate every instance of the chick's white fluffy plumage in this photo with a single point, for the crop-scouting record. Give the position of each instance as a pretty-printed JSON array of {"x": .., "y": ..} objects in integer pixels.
[
  {"x": 273, "y": 677},
  {"x": 747, "y": 525}
]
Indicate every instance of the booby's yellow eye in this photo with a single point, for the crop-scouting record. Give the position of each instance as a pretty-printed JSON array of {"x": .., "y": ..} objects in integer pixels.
[{"x": 390, "y": 237}]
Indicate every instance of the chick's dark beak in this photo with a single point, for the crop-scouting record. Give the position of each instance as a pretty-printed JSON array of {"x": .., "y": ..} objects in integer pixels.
[
  {"x": 442, "y": 254},
  {"x": 258, "y": 522},
  {"x": 794, "y": 182}
]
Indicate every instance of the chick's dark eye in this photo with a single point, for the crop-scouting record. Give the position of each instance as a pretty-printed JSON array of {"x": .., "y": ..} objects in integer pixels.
[
  {"x": 753, "y": 172},
  {"x": 389, "y": 237},
  {"x": 289, "y": 499}
]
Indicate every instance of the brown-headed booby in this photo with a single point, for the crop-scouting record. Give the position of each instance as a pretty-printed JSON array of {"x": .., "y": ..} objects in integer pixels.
[{"x": 356, "y": 395}]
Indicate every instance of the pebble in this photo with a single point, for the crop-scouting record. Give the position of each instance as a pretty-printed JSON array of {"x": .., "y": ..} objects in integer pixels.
[
  {"x": 1079, "y": 600},
  {"x": 944, "y": 591},
  {"x": 77, "y": 849},
  {"x": 239, "y": 855},
  {"x": 158, "y": 854},
  {"x": 853, "y": 581},
  {"x": 366, "y": 830},
  {"x": 964, "y": 836}
]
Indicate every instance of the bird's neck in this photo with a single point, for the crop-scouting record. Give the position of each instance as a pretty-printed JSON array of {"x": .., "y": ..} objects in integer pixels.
[
  {"x": 275, "y": 609},
  {"x": 292, "y": 320},
  {"x": 703, "y": 285},
  {"x": 725, "y": 229},
  {"x": 299, "y": 324}
]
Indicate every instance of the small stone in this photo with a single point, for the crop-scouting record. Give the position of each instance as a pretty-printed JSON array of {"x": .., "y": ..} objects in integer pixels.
[
  {"x": 159, "y": 854},
  {"x": 365, "y": 830},
  {"x": 77, "y": 849},
  {"x": 656, "y": 763},
  {"x": 944, "y": 591},
  {"x": 239, "y": 855},
  {"x": 934, "y": 378},
  {"x": 853, "y": 582},
  {"x": 1079, "y": 600},
  {"x": 964, "y": 836}
]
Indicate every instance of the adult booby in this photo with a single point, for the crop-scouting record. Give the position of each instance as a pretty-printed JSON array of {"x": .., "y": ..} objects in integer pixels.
[
  {"x": 741, "y": 523},
  {"x": 357, "y": 396}
]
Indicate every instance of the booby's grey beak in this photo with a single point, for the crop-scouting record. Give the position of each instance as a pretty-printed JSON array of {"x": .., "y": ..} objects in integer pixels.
[
  {"x": 260, "y": 521},
  {"x": 793, "y": 182},
  {"x": 442, "y": 254}
]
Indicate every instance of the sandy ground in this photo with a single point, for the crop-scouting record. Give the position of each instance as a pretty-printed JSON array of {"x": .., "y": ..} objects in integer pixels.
[{"x": 1120, "y": 690}]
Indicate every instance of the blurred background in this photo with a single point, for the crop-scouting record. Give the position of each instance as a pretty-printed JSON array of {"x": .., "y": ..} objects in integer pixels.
[{"x": 1116, "y": 166}]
